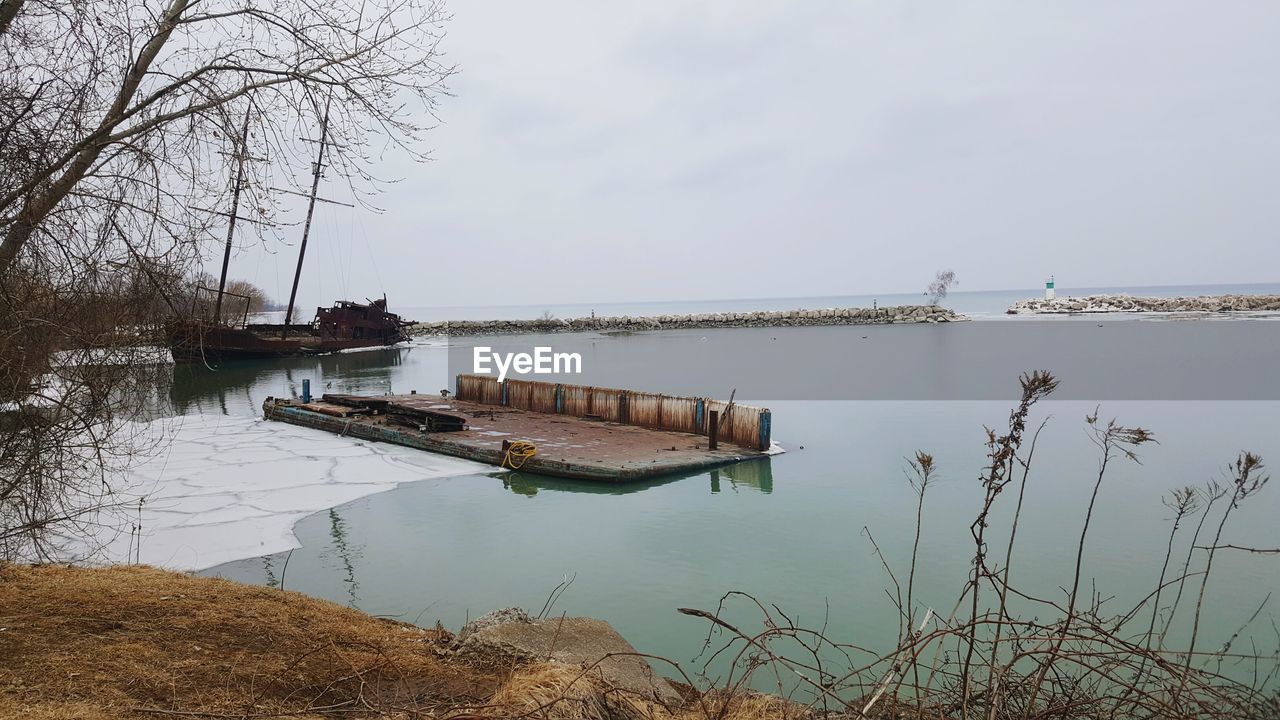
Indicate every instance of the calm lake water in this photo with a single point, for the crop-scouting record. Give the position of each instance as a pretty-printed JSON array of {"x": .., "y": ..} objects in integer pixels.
[{"x": 793, "y": 529}]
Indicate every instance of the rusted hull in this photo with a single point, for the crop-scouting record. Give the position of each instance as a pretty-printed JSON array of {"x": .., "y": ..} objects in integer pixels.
[
  {"x": 198, "y": 342},
  {"x": 192, "y": 349},
  {"x": 346, "y": 326},
  {"x": 336, "y": 345},
  {"x": 322, "y": 343}
]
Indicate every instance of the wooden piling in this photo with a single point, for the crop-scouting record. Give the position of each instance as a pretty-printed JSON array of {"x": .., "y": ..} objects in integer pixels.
[{"x": 741, "y": 425}]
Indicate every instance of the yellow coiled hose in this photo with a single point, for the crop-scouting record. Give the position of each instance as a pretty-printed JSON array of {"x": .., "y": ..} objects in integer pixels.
[{"x": 518, "y": 453}]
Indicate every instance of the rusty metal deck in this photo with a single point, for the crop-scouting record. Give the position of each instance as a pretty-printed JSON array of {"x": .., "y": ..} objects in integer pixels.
[{"x": 568, "y": 447}]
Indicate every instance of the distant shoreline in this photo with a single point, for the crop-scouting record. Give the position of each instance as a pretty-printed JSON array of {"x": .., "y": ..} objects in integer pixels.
[
  {"x": 899, "y": 314},
  {"x": 1119, "y": 303}
]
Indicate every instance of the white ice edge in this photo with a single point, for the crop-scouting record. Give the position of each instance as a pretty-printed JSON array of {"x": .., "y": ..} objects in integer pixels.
[
  {"x": 393, "y": 346},
  {"x": 222, "y": 488},
  {"x": 774, "y": 448}
]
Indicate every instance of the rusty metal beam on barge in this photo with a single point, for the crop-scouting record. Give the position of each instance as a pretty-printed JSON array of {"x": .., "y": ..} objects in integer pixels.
[{"x": 567, "y": 447}]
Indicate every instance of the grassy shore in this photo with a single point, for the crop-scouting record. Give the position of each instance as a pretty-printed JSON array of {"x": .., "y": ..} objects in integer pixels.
[{"x": 137, "y": 642}]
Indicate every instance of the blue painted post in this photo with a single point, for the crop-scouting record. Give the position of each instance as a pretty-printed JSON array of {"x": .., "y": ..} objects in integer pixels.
[
  {"x": 457, "y": 386},
  {"x": 698, "y": 413},
  {"x": 766, "y": 420},
  {"x": 306, "y": 391},
  {"x": 504, "y": 393},
  {"x": 559, "y": 398}
]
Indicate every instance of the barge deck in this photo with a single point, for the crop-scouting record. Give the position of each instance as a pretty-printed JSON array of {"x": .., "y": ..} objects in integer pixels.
[{"x": 568, "y": 447}]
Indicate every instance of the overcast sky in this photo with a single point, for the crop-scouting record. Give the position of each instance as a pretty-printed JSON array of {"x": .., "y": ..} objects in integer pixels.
[{"x": 599, "y": 152}]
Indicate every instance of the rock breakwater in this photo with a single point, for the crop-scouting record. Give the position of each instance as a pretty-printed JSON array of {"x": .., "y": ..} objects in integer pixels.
[
  {"x": 765, "y": 318},
  {"x": 1129, "y": 304}
]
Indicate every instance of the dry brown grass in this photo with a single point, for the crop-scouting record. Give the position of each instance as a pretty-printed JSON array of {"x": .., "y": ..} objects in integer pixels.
[
  {"x": 757, "y": 706},
  {"x": 113, "y": 642},
  {"x": 552, "y": 691},
  {"x": 136, "y": 642}
]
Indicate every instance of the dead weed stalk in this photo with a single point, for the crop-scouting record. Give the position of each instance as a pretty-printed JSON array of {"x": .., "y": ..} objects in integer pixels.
[{"x": 1012, "y": 655}]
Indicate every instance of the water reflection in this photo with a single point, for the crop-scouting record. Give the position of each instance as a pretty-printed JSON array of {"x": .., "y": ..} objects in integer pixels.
[
  {"x": 269, "y": 571},
  {"x": 407, "y": 527},
  {"x": 345, "y": 554},
  {"x": 529, "y": 484},
  {"x": 754, "y": 474},
  {"x": 234, "y": 387}
]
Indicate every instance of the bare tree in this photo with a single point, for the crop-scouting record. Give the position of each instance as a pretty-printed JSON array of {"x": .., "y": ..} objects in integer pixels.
[
  {"x": 73, "y": 378},
  {"x": 942, "y": 283},
  {"x": 116, "y": 106},
  {"x": 257, "y": 297},
  {"x": 121, "y": 124}
]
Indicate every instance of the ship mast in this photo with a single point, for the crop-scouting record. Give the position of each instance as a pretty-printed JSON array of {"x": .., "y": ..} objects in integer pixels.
[
  {"x": 316, "y": 171},
  {"x": 235, "y": 206}
]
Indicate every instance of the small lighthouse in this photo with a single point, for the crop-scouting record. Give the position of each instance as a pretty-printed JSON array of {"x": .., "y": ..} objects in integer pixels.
[{"x": 1048, "y": 288}]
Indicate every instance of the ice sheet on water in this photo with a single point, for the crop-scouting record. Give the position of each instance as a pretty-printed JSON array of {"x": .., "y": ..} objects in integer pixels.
[{"x": 223, "y": 488}]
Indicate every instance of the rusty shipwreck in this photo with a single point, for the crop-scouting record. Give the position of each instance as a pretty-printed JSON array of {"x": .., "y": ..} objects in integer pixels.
[{"x": 211, "y": 336}]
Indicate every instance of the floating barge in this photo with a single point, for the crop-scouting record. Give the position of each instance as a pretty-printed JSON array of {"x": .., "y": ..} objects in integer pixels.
[{"x": 580, "y": 441}]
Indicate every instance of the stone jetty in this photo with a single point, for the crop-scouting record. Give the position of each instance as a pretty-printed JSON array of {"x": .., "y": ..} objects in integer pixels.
[
  {"x": 1129, "y": 304},
  {"x": 764, "y": 318}
]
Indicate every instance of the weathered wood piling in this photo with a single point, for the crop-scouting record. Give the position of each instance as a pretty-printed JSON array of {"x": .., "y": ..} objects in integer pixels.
[{"x": 738, "y": 424}]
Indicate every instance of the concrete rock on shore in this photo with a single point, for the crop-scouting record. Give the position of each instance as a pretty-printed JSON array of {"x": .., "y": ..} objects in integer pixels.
[
  {"x": 573, "y": 641},
  {"x": 1130, "y": 304},
  {"x": 763, "y": 318}
]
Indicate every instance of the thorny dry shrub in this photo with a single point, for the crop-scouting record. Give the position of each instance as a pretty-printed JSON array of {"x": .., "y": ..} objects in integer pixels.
[{"x": 1004, "y": 653}]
